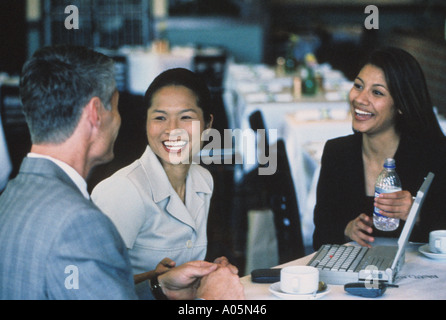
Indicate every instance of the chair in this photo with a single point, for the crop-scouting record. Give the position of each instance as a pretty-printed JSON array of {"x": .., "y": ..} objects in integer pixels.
[
  {"x": 253, "y": 188},
  {"x": 277, "y": 193},
  {"x": 210, "y": 64},
  {"x": 285, "y": 207},
  {"x": 257, "y": 123}
]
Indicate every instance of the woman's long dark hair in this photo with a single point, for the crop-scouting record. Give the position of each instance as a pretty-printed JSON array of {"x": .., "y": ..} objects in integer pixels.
[{"x": 407, "y": 86}]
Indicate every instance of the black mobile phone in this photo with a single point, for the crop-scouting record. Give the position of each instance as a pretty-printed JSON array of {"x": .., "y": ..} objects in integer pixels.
[{"x": 265, "y": 275}]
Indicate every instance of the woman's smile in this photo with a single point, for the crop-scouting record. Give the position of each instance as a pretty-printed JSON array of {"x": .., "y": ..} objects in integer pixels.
[
  {"x": 174, "y": 146},
  {"x": 362, "y": 115}
]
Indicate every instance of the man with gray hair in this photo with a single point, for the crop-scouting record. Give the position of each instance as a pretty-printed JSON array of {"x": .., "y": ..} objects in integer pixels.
[{"x": 55, "y": 243}]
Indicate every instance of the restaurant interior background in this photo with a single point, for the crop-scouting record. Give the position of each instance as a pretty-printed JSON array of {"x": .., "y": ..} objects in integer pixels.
[{"x": 216, "y": 33}]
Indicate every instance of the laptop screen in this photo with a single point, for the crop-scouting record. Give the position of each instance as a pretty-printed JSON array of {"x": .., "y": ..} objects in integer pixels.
[{"x": 410, "y": 222}]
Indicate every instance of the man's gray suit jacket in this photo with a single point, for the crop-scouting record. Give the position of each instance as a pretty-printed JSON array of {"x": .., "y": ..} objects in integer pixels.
[{"x": 55, "y": 244}]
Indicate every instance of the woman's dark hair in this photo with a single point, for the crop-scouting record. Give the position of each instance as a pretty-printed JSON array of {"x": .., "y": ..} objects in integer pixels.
[
  {"x": 186, "y": 78},
  {"x": 407, "y": 86}
]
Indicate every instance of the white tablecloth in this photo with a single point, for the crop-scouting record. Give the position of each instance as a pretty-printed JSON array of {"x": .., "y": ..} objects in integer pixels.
[
  {"x": 420, "y": 278},
  {"x": 305, "y": 141},
  {"x": 144, "y": 65},
  {"x": 251, "y": 88}
]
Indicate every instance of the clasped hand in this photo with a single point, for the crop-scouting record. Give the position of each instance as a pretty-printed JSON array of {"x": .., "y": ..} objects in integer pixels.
[{"x": 204, "y": 280}]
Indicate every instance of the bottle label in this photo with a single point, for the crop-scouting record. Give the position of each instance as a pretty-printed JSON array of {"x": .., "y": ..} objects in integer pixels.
[{"x": 378, "y": 191}]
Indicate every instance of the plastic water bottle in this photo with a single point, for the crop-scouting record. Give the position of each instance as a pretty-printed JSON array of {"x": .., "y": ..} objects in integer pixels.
[{"x": 387, "y": 182}]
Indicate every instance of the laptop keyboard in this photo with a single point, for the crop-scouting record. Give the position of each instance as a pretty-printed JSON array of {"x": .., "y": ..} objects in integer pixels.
[
  {"x": 340, "y": 264},
  {"x": 338, "y": 258}
]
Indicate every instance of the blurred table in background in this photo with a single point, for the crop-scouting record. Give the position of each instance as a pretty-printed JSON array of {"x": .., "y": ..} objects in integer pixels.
[
  {"x": 305, "y": 140},
  {"x": 144, "y": 65},
  {"x": 258, "y": 87},
  {"x": 300, "y": 121},
  {"x": 249, "y": 88}
]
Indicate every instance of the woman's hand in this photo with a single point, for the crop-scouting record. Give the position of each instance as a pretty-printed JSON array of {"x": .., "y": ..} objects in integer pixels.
[
  {"x": 224, "y": 262},
  {"x": 394, "y": 205},
  {"x": 164, "y": 265},
  {"x": 359, "y": 230}
]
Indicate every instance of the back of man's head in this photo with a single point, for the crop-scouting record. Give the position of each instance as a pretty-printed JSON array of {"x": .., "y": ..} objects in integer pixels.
[{"x": 56, "y": 83}]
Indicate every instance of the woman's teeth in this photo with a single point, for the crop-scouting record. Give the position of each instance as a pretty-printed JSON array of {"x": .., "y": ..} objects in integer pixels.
[
  {"x": 363, "y": 113},
  {"x": 174, "y": 145}
]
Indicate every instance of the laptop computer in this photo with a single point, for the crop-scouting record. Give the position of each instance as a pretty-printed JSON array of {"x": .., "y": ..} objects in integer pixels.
[{"x": 341, "y": 264}]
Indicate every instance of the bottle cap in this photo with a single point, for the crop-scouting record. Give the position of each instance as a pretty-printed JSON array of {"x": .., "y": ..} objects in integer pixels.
[{"x": 389, "y": 163}]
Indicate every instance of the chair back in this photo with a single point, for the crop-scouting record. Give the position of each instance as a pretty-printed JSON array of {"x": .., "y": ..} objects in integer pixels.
[
  {"x": 286, "y": 210},
  {"x": 256, "y": 122}
]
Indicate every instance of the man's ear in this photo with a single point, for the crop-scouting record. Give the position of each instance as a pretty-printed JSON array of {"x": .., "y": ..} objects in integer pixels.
[{"x": 93, "y": 111}]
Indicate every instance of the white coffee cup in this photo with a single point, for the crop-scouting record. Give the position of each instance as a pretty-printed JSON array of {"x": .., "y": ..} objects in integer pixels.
[
  {"x": 299, "y": 279},
  {"x": 437, "y": 241}
]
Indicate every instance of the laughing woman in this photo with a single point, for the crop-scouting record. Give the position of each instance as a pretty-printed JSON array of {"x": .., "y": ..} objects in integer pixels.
[
  {"x": 392, "y": 117},
  {"x": 160, "y": 203}
]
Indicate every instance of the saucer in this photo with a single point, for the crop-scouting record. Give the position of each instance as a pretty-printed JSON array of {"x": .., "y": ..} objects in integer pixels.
[
  {"x": 275, "y": 289},
  {"x": 426, "y": 251}
]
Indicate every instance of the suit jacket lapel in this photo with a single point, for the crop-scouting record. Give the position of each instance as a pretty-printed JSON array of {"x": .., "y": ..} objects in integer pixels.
[{"x": 176, "y": 208}]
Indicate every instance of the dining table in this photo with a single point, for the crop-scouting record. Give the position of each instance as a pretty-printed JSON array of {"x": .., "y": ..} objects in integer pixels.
[
  {"x": 251, "y": 87},
  {"x": 145, "y": 64},
  {"x": 257, "y": 87},
  {"x": 305, "y": 140},
  {"x": 422, "y": 277},
  {"x": 302, "y": 121}
]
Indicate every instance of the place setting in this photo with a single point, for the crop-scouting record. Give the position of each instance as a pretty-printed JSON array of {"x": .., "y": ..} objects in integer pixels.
[
  {"x": 299, "y": 283},
  {"x": 436, "y": 248}
]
